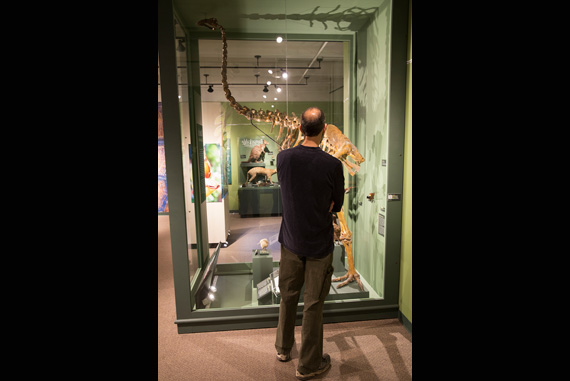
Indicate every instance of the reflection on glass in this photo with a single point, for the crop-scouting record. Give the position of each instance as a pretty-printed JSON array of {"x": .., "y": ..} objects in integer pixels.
[
  {"x": 162, "y": 188},
  {"x": 182, "y": 75}
]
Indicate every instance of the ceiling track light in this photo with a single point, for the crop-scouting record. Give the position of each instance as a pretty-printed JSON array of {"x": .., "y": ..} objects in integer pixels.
[
  {"x": 265, "y": 87},
  {"x": 270, "y": 68},
  {"x": 250, "y": 84},
  {"x": 211, "y": 87}
]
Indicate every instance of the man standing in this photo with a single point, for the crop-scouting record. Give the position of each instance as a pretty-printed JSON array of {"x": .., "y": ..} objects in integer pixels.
[{"x": 312, "y": 186}]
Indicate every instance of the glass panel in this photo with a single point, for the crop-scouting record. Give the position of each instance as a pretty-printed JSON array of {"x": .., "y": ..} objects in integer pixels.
[
  {"x": 182, "y": 48},
  {"x": 288, "y": 75},
  {"x": 357, "y": 103},
  {"x": 269, "y": 77}
]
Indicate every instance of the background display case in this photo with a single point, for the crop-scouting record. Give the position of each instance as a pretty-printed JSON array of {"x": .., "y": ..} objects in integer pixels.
[
  {"x": 344, "y": 65},
  {"x": 259, "y": 192}
]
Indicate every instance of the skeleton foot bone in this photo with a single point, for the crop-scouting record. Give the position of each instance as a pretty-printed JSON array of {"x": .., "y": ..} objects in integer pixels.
[{"x": 350, "y": 277}]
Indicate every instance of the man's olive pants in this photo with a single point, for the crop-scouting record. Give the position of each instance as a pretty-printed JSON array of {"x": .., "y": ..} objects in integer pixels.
[{"x": 315, "y": 273}]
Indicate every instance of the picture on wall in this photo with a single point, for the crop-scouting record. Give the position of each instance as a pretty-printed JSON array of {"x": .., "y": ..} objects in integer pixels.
[
  {"x": 226, "y": 143},
  {"x": 162, "y": 189},
  {"x": 212, "y": 172}
]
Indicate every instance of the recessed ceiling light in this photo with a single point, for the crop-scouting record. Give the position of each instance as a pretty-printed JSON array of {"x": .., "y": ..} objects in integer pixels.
[{"x": 279, "y": 39}]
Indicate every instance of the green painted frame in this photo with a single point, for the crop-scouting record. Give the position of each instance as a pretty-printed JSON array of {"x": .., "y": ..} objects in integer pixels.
[{"x": 189, "y": 320}]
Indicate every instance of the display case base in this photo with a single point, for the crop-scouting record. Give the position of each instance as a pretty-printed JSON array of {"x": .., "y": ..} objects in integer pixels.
[{"x": 257, "y": 201}]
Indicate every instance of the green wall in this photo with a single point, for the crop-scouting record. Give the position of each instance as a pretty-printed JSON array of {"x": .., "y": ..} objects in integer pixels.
[
  {"x": 406, "y": 263},
  {"x": 371, "y": 138}
]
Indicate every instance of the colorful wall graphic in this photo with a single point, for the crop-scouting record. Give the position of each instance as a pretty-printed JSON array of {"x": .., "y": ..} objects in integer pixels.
[
  {"x": 213, "y": 172},
  {"x": 162, "y": 189},
  {"x": 214, "y": 181}
]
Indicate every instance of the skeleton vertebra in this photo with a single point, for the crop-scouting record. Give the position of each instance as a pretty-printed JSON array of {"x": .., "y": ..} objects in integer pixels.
[{"x": 334, "y": 143}]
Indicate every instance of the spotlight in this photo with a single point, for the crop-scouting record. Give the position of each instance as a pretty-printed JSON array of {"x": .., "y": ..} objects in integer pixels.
[
  {"x": 268, "y": 83},
  {"x": 208, "y": 299},
  {"x": 270, "y": 71},
  {"x": 265, "y": 89},
  {"x": 211, "y": 87},
  {"x": 279, "y": 39},
  {"x": 278, "y": 89},
  {"x": 285, "y": 75}
]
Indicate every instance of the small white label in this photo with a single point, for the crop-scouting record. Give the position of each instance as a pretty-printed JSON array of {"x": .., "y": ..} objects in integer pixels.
[{"x": 381, "y": 220}]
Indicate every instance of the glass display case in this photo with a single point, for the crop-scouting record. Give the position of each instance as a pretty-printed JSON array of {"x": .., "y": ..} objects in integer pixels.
[
  {"x": 243, "y": 80},
  {"x": 276, "y": 82}
]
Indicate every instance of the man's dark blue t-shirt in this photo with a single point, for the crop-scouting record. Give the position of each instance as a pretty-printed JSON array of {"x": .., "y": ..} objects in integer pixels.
[{"x": 310, "y": 180}]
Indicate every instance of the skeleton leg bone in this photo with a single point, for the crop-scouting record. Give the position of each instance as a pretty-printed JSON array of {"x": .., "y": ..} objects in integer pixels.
[{"x": 346, "y": 238}]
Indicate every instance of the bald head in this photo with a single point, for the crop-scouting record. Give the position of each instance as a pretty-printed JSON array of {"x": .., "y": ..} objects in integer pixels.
[{"x": 312, "y": 121}]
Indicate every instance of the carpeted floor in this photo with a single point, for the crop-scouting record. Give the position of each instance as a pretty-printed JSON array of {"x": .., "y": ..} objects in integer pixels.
[{"x": 366, "y": 350}]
